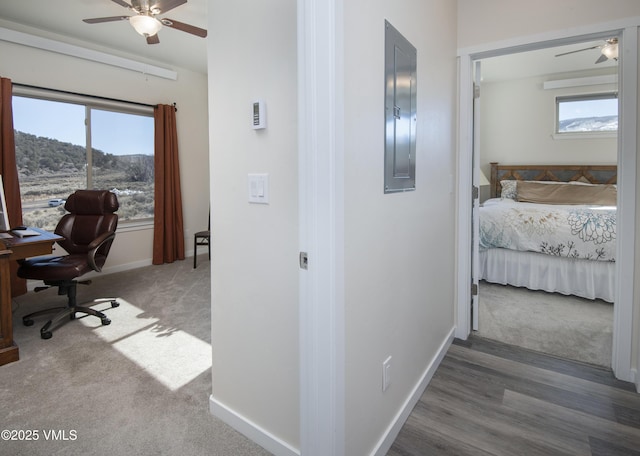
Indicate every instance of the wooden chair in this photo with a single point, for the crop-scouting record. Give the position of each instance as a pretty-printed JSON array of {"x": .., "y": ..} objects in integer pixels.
[{"x": 201, "y": 238}]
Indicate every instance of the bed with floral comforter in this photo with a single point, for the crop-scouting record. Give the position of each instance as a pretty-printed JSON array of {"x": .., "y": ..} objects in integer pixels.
[
  {"x": 586, "y": 232},
  {"x": 552, "y": 228}
]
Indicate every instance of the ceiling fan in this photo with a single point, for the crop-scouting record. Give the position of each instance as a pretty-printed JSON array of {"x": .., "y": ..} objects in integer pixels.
[
  {"x": 145, "y": 22},
  {"x": 609, "y": 50}
]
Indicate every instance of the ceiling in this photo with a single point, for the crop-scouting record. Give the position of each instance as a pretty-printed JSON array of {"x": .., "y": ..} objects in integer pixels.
[
  {"x": 62, "y": 20},
  {"x": 544, "y": 62}
]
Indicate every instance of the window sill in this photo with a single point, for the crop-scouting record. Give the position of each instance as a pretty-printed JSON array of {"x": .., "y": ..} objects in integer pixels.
[
  {"x": 593, "y": 135},
  {"x": 140, "y": 225}
]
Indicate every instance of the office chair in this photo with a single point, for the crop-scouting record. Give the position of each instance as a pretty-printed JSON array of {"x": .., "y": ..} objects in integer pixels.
[
  {"x": 88, "y": 231},
  {"x": 202, "y": 238}
]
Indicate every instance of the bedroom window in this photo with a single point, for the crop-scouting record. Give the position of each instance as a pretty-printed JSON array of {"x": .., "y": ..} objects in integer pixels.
[
  {"x": 66, "y": 142},
  {"x": 587, "y": 114}
]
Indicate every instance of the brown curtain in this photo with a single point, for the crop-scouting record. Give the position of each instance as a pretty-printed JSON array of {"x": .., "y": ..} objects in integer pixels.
[
  {"x": 168, "y": 231},
  {"x": 9, "y": 172}
]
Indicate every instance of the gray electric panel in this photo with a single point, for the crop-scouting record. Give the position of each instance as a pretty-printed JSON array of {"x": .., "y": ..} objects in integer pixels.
[{"x": 400, "y": 83}]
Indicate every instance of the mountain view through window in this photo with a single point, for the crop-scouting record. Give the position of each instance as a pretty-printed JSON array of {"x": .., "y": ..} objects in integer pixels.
[
  {"x": 583, "y": 114},
  {"x": 62, "y": 147}
]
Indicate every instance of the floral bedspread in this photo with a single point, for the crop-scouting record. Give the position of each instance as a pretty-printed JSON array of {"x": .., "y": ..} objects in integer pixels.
[{"x": 584, "y": 232}]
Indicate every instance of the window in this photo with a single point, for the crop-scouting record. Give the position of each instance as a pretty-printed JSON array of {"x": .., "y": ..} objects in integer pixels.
[
  {"x": 66, "y": 142},
  {"x": 587, "y": 113}
]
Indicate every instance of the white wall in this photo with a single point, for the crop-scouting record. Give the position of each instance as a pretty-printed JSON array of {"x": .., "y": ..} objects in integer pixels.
[
  {"x": 399, "y": 248},
  {"x": 399, "y": 262},
  {"x": 252, "y": 54},
  {"x": 27, "y": 65},
  {"x": 517, "y": 125},
  {"x": 489, "y": 21}
]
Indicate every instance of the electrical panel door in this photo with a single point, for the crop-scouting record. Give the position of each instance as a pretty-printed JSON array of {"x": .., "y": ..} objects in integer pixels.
[{"x": 400, "y": 112}]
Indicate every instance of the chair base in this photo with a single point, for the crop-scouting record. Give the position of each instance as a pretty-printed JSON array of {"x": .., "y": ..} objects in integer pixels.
[
  {"x": 68, "y": 288},
  {"x": 70, "y": 312}
]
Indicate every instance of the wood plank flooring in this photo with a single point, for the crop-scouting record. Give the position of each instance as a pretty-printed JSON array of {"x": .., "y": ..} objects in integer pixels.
[{"x": 489, "y": 398}]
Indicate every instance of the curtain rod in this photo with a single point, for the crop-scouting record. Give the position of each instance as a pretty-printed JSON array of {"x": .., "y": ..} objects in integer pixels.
[{"x": 28, "y": 86}]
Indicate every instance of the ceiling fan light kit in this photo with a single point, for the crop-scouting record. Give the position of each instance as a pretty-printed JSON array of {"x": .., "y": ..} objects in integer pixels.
[
  {"x": 610, "y": 50},
  {"x": 145, "y": 25},
  {"x": 145, "y": 22}
]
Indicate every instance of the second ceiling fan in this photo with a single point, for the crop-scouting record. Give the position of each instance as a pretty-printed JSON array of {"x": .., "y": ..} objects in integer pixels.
[
  {"x": 609, "y": 50},
  {"x": 145, "y": 20}
]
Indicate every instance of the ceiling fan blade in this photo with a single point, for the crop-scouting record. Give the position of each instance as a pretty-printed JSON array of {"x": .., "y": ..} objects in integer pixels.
[
  {"x": 98, "y": 20},
  {"x": 579, "y": 50},
  {"x": 602, "y": 58},
  {"x": 153, "y": 39},
  {"x": 166, "y": 5},
  {"x": 184, "y": 27},
  {"x": 122, "y": 3}
]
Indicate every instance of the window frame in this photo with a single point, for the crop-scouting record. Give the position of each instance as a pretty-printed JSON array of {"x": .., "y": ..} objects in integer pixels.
[
  {"x": 613, "y": 94},
  {"x": 91, "y": 102}
]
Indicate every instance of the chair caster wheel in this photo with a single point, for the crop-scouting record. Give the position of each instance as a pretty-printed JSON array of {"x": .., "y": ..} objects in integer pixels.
[
  {"x": 46, "y": 335},
  {"x": 115, "y": 303},
  {"x": 27, "y": 322},
  {"x": 105, "y": 321}
]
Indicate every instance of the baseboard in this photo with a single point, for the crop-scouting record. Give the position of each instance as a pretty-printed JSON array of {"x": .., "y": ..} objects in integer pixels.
[
  {"x": 124, "y": 267},
  {"x": 384, "y": 444},
  {"x": 251, "y": 430}
]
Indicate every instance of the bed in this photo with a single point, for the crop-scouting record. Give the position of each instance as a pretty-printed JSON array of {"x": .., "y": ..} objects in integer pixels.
[{"x": 551, "y": 228}]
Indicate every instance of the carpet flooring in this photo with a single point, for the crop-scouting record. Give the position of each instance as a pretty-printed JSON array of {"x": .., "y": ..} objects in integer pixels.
[
  {"x": 564, "y": 326},
  {"x": 139, "y": 386}
]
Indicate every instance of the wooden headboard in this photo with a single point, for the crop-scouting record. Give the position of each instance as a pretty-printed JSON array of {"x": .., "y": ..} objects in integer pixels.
[{"x": 596, "y": 174}]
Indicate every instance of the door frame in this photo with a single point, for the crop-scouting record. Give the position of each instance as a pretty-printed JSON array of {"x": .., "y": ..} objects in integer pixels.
[
  {"x": 627, "y": 29},
  {"x": 475, "y": 210},
  {"x": 321, "y": 227}
]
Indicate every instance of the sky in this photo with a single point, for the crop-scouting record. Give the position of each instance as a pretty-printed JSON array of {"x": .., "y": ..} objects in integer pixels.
[
  {"x": 590, "y": 108},
  {"x": 111, "y": 132}
]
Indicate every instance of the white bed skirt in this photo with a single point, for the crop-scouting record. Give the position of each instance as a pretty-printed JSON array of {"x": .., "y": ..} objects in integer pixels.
[{"x": 535, "y": 271}]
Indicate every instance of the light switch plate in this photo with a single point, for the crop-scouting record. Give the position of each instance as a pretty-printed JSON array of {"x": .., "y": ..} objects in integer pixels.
[{"x": 258, "y": 188}]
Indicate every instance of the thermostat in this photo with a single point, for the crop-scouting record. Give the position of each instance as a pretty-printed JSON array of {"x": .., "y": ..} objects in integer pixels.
[{"x": 259, "y": 115}]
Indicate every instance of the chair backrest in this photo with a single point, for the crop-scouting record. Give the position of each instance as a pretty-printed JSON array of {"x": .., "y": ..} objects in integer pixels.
[{"x": 91, "y": 214}]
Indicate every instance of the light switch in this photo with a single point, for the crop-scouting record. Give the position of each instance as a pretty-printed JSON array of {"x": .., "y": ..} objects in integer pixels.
[{"x": 259, "y": 188}]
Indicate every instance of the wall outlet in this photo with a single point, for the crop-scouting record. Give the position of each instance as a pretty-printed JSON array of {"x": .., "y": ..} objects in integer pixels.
[{"x": 386, "y": 374}]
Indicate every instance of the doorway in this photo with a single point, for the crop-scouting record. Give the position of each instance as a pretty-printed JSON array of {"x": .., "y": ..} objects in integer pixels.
[
  {"x": 628, "y": 77},
  {"x": 518, "y": 123}
]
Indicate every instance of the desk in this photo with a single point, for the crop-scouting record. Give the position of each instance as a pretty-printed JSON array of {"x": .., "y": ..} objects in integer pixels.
[{"x": 12, "y": 249}]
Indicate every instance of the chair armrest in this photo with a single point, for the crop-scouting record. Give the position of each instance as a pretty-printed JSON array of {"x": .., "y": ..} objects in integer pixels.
[{"x": 95, "y": 245}]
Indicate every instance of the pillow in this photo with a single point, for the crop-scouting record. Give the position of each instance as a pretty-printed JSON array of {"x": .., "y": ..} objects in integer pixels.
[
  {"x": 536, "y": 192},
  {"x": 509, "y": 189}
]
